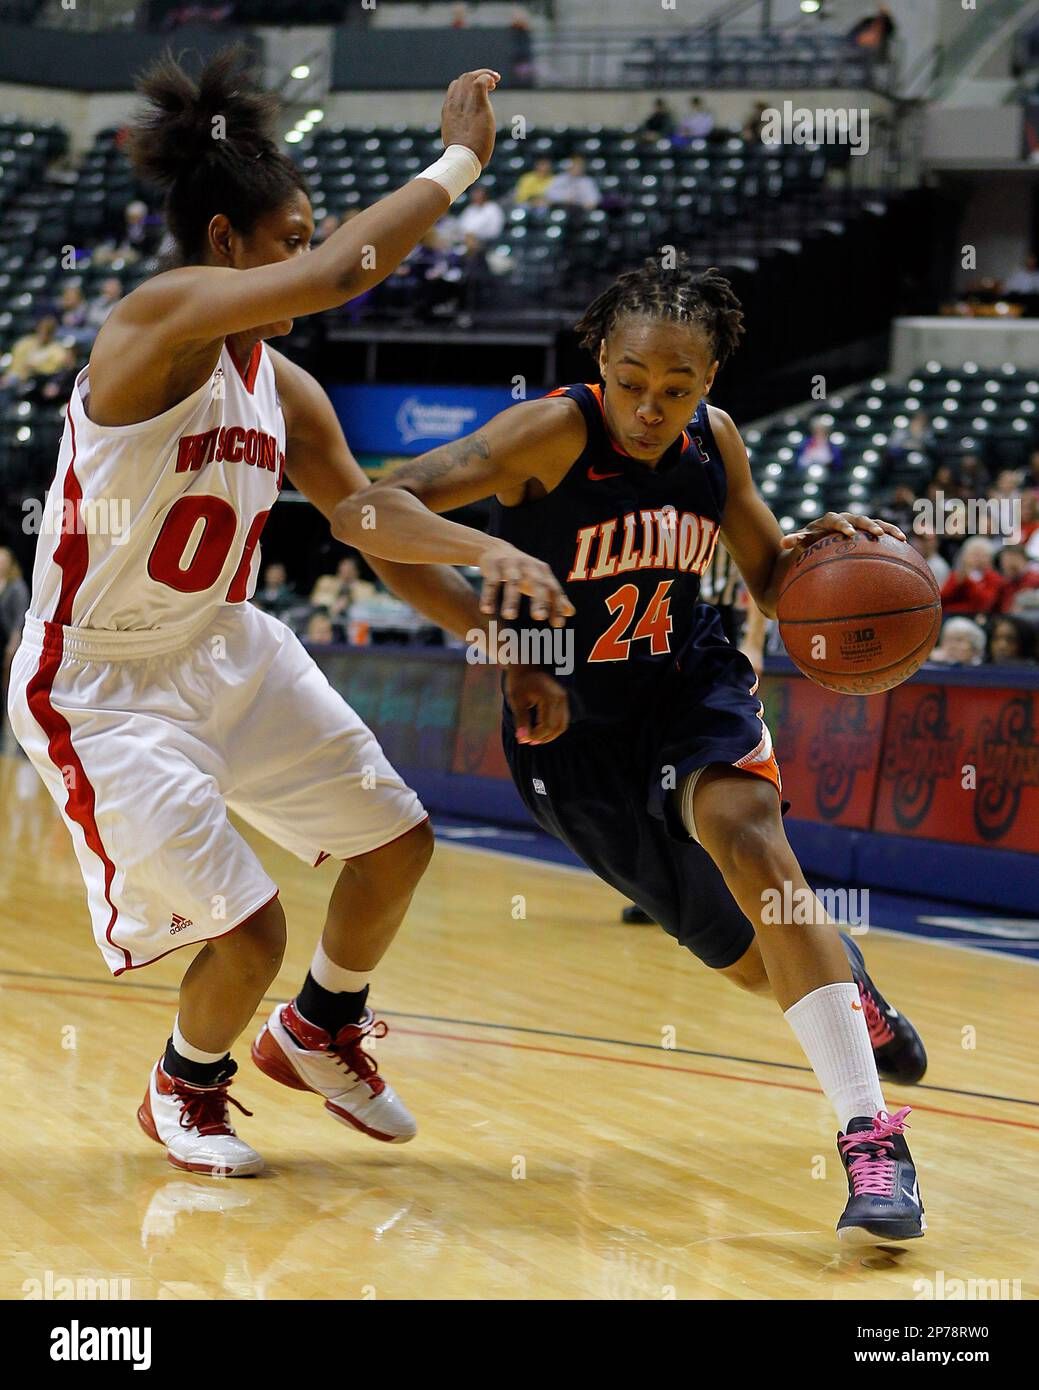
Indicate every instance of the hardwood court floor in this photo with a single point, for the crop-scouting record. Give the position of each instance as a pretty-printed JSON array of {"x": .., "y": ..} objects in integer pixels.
[{"x": 563, "y": 1151}]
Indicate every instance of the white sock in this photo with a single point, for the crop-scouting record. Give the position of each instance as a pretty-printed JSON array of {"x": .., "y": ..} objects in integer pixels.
[
  {"x": 192, "y": 1054},
  {"x": 335, "y": 977},
  {"x": 832, "y": 1030}
]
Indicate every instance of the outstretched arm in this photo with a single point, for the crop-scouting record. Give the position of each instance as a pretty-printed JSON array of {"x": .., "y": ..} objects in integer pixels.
[{"x": 537, "y": 440}]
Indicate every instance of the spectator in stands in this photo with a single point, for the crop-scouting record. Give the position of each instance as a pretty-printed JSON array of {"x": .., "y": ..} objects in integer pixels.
[
  {"x": 14, "y": 600},
  {"x": 573, "y": 187},
  {"x": 1031, "y": 479},
  {"x": 336, "y": 592},
  {"x": 962, "y": 644},
  {"x": 1011, "y": 642},
  {"x": 916, "y": 436},
  {"x": 139, "y": 239},
  {"x": 697, "y": 125},
  {"x": 817, "y": 447},
  {"x": 1008, "y": 484},
  {"x": 482, "y": 217},
  {"x": 926, "y": 544},
  {"x": 1017, "y": 572},
  {"x": 71, "y": 311},
  {"x": 972, "y": 477},
  {"x": 974, "y": 586},
  {"x": 1024, "y": 280},
  {"x": 898, "y": 507},
  {"x": 1030, "y": 523},
  {"x": 275, "y": 595},
  {"x": 751, "y": 131},
  {"x": 108, "y": 296},
  {"x": 320, "y": 630},
  {"x": 874, "y": 32},
  {"x": 38, "y": 354},
  {"x": 660, "y": 122},
  {"x": 534, "y": 184}
]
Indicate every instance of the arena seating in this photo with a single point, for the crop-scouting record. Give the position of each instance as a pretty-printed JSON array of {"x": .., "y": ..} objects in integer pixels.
[{"x": 971, "y": 410}]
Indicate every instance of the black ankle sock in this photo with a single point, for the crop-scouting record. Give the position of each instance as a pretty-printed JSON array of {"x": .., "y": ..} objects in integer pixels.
[
  {"x": 327, "y": 1010},
  {"x": 195, "y": 1073}
]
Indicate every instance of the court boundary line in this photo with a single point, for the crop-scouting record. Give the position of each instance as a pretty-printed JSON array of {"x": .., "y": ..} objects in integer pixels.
[{"x": 525, "y": 1029}]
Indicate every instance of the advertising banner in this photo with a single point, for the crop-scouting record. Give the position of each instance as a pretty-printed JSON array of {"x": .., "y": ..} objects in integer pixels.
[{"x": 412, "y": 419}]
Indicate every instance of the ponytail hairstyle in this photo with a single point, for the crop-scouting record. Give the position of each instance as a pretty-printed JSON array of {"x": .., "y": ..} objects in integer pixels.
[
  {"x": 707, "y": 301},
  {"x": 208, "y": 146}
]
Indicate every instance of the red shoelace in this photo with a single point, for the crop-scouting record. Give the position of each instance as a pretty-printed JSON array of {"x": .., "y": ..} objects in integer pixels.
[
  {"x": 350, "y": 1052},
  {"x": 205, "y": 1108}
]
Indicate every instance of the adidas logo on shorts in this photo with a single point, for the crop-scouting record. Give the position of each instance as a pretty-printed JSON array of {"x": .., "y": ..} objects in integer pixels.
[
  {"x": 179, "y": 923},
  {"x": 539, "y": 787}
]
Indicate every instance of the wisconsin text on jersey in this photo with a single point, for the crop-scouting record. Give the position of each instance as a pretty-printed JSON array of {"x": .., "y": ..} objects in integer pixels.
[
  {"x": 230, "y": 444},
  {"x": 657, "y": 539}
]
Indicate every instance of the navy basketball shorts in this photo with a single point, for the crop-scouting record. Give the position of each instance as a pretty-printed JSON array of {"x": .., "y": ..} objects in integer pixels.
[{"x": 605, "y": 790}]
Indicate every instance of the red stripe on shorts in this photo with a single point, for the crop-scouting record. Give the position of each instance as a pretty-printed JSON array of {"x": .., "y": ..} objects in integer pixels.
[{"x": 72, "y": 556}]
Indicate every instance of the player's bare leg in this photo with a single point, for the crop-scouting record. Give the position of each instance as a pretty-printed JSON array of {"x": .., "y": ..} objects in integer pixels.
[
  {"x": 186, "y": 1104},
  {"x": 737, "y": 819},
  {"x": 315, "y": 1042}
]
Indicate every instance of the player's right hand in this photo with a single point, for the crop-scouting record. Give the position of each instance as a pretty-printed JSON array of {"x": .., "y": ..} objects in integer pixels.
[
  {"x": 509, "y": 573},
  {"x": 539, "y": 704},
  {"x": 468, "y": 117}
]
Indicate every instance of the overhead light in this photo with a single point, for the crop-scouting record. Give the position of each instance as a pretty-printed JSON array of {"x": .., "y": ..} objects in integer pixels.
[
  {"x": 293, "y": 137},
  {"x": 315, "y": 116},
  {"x": 304, "y": 125},
  {"x": 811, "y": 6},
  {"x": 300, "y": 71}
]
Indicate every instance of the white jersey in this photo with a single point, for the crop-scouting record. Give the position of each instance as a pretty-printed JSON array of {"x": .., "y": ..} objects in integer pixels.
[{"x": 153, "y": 525}]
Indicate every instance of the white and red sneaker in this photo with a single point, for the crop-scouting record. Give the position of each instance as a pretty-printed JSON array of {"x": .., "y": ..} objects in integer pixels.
[
  {"x": 191, "y": 1121},
  {"x": 298, "y": 1054}
]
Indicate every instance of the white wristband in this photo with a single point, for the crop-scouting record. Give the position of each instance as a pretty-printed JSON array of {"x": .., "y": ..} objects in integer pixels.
[{"x": 455, "y": 170}]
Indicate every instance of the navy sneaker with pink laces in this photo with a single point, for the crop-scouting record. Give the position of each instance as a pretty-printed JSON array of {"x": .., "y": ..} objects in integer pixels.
[
  {"x": 883, "y": 1194},
  {"x": 898, "y": 1048}
]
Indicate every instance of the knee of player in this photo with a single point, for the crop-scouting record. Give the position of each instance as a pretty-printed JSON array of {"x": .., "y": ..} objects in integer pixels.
[
  {"x": 259, "y": 943},
  {"x": 756, "y": 851},
  {"x": 413, "y": 852}
]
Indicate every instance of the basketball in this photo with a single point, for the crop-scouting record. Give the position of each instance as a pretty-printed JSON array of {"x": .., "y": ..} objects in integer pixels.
[{"x": 859, "y": 614}]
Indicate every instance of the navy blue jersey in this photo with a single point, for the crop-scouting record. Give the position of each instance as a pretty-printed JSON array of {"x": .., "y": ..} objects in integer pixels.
[{"x": 629, "y": 544}]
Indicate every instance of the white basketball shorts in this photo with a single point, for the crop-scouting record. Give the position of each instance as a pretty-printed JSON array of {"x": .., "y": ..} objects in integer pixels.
[{"x": 145, "y": 740}]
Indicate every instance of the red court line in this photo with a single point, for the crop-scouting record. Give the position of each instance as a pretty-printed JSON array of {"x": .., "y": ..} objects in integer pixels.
[
  {"x": 694, "y": 1071},
  {"x": 566, "y": 1052}
]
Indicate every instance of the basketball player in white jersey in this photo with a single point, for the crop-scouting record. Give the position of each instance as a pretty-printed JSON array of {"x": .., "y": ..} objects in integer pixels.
[{"x": 149, "y": 693}]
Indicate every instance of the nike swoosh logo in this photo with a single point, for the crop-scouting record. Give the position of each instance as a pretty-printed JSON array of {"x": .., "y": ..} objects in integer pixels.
[
  {"x": 913, "y": 1196},
  {"x": 598, "y": 477}
]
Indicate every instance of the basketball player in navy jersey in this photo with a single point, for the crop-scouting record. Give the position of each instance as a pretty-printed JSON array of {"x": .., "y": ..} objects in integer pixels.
[{"x": 652, "y": 760}]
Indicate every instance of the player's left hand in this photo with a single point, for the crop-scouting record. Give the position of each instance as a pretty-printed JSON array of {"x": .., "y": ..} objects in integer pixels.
[
  {"x": 540, "y": 705},
  {"x": 845, "y": 523}
]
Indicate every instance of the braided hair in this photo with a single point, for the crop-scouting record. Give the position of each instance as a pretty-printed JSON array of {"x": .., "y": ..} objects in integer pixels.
[
  {"x": 209, "y": 146},
  {"x": 679, "y": 295}
]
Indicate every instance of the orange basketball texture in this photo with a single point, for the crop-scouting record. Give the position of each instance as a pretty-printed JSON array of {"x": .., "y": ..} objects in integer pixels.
[{"x": 859, "y": 614}]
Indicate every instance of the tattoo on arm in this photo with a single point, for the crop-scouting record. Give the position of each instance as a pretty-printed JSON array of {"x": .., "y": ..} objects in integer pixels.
[{"x": 441, "y": 462}]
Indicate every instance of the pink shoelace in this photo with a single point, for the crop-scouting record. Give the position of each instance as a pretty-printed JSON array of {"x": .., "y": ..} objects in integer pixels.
[
  {"x": 872, "y": 1173},
  {"x": 880, "y": 1031}
]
